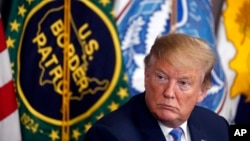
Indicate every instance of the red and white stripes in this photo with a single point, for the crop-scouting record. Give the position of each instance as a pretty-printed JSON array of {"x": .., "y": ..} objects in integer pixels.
[{"x": 9, "y": 118}]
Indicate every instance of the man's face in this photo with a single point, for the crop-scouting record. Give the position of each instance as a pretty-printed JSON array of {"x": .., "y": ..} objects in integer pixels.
[{"x": 171, "y": 94}]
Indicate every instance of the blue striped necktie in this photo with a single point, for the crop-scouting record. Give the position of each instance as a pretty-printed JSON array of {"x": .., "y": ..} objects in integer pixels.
[{"x": 176, "y": 133}]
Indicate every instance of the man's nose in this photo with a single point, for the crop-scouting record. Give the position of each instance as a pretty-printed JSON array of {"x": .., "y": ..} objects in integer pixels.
[{"x": 169, "y": 90}]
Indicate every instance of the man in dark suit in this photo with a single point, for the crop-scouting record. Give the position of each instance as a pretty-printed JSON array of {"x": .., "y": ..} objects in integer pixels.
[{"x": 177, "y": 77}]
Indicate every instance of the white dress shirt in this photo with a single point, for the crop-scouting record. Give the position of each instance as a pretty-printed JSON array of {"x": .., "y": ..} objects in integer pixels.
[{"x": 166, "y": 130}]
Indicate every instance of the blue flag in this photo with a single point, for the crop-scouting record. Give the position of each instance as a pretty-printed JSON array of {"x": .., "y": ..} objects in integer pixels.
[{"x": 142, "y": 21}]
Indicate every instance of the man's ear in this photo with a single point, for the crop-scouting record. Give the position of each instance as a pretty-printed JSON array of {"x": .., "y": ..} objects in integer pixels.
[
  {"x": 202, "y": 95},
  {"x": 146, "y": 75}
]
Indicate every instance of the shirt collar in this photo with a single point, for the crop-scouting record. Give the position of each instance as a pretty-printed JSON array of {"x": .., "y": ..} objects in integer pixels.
[{"x": 166, "y": 130}]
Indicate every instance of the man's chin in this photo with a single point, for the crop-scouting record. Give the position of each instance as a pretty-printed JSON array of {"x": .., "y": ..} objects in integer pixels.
[{"x": 167, "y": 116}]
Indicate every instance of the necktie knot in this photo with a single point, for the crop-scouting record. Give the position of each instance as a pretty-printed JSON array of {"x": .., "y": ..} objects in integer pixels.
[{"x": 176, "y": 133}]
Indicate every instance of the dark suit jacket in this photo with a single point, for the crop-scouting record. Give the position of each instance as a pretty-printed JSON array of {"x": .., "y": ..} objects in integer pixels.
[{"x": 134, "y": 122}]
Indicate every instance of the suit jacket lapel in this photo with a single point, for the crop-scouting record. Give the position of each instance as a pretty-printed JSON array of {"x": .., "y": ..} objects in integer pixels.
[
  {"x": 153, "y": 135},
  {"x": 196, "y": 132},
  {"x": 148, "y": 125}
]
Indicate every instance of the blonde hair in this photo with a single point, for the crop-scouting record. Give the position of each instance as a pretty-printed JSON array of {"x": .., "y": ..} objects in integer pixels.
[{"x": 183, "y": 52}]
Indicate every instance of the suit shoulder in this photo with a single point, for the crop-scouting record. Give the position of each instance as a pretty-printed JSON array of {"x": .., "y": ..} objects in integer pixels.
[
  {"x": 119, "y": 124},
  {"x": 205, "y": 114},
  {"x": 204, "y": 111}
]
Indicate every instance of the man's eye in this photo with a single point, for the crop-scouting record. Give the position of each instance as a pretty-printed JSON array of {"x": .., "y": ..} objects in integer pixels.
[
  {"x": 160, "y": 77},
  {"x": 183, "y": 82},
  {"x": 184, "y": 85}
]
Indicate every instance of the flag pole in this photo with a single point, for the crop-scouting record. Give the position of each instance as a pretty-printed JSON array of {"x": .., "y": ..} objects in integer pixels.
[
  {"x": 66, "y": 74},
  {"x": 173, "y": 18}
]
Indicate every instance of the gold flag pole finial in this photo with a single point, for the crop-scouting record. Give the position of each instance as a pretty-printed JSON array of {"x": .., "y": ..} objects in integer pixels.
[{"x": 66, "y": 74}]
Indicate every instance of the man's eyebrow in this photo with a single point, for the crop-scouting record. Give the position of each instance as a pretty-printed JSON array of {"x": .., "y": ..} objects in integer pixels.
[{"x": 186, "y": 77}]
